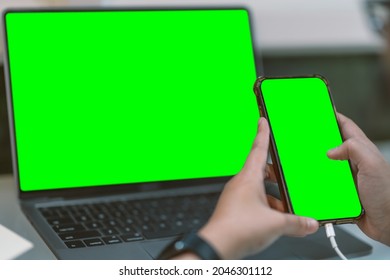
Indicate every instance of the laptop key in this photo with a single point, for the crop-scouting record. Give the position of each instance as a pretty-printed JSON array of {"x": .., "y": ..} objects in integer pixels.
[
  {"x": 110, "y": 223},
  {"x": 74, "y": 244},
  {"x": 93, "y": 242},
  {"x": 60, "y": 221},
  {"x": 82, "y": 218},
  {"x": 145, "y": 227},
  {"x": 68, "y": 228},
  {"x": 129, "y": 221},
  {"x": 131, "y": 237},
  {"x": 94, "y": 225},
  {"x": 112, "y": 239},
  {"x": 109, "y": 231},
  {"x": 47, "y": 212},
  {"x": 126, "y": 229},
  {"x": 126, "y": 221},
  {"x": 101, "y": 216},
  {"x": 79, "y": 235},
  {"x": 63, "y": 213}
]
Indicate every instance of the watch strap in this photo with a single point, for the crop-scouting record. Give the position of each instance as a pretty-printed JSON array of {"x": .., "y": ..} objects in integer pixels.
[{"x": 190, "y": 243}]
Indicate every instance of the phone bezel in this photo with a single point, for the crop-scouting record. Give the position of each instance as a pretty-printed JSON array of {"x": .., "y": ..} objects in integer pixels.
[{"x": 274, "y": 154}]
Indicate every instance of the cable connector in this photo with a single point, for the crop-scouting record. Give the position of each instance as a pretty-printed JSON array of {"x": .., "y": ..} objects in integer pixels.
[{"x": 331, "y": 235}]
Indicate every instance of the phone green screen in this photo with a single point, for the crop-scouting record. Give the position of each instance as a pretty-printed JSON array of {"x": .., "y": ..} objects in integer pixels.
[
  {"x": 304, "y": 128},
  {"x": 112, "y": 97}
]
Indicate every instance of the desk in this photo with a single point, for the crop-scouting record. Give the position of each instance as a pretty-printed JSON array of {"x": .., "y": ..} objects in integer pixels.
[{"x": 12, "y": 217}]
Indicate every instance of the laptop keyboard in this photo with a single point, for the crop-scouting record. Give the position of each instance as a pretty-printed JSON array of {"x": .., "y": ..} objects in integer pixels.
[{"x": 97, "y": 224}]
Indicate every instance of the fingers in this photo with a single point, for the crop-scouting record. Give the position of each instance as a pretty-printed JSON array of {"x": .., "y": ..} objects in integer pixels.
[
  {"x": 349, "y": 128},
  {"x": 270, "y": 173},
  {"x": 299, "y": 226},
  {"x": 256, "y": 161},
  {"x": 357, "y": 148},
  {"x": 275, "y": 203},
  {"x": 352, "y": 149}
]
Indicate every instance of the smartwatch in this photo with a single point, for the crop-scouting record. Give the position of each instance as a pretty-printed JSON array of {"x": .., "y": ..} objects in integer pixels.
[{"x": 189, "y": 243}]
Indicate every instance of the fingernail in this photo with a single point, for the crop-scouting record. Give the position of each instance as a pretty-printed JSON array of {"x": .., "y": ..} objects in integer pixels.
[
  {"x": 311, "y": 223},
  {"x": 261, "y": 120}
]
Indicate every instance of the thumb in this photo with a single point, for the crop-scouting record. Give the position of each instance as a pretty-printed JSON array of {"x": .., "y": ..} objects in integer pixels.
[
  {"x": 299, "y": 226},
  {"x": 257, "y": 158},
  {"x": 351, "y": 149}
]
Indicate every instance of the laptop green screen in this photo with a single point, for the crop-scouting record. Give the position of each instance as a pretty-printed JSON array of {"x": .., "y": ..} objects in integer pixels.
[{"x": 116, "y": 97}]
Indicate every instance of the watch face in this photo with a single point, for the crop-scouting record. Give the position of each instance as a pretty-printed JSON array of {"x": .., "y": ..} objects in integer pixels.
[
  {"x": 179, "y": 245},
  {"x": 190, "y": 243}
]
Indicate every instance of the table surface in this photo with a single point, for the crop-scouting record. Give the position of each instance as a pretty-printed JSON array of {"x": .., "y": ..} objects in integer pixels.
[{"x": 12, "y": 217}]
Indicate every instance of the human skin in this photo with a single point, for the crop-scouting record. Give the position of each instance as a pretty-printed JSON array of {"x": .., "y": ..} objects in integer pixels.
[
  {"x": 372, "y": 176},
  {"x": 244, "y": 222}
]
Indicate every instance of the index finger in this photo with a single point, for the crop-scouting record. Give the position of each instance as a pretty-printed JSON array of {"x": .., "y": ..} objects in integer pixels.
[
  {"x": 351, "y": 130},
  {"x": 348, "y": 128}
]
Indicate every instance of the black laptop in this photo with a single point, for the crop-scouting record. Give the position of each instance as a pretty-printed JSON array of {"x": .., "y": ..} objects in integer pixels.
[{"x": 126, "y": 124}]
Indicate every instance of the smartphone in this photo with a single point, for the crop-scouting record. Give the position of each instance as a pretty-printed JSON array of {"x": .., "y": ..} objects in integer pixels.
[{"x": 304, "y": 126}]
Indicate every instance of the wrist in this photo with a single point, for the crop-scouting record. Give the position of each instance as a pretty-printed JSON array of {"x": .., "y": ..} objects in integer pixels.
[
  {"x": 190, "y": 246},
  {"x": 224, "y": 243},
  {"x": 186, "y": 256}
]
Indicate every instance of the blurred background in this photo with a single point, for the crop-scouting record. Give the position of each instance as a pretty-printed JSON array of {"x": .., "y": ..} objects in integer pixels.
[{"x": 291, "y": 37}]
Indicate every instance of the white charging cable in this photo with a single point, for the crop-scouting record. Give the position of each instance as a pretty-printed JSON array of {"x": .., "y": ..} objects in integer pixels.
[{"x": 331, "y": 235}]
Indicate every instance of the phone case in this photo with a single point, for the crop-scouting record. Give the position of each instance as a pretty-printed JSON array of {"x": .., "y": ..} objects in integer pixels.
[{"x": 273, "y": 151}]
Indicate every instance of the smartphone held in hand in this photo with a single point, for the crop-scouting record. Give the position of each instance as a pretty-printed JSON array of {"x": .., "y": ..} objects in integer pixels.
[{"x": 304, "y": 126}]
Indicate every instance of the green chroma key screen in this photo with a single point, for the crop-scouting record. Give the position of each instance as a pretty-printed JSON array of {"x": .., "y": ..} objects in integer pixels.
[
  {"x": 304, "y": 127},
  {"x": 116, "y": 97}
]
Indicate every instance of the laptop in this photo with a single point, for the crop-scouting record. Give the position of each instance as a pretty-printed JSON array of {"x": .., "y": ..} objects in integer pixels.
[{"x": 126, "y": 124}]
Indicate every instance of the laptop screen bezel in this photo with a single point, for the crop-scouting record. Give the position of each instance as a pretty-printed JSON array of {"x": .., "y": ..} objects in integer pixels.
[{"x": 99, "y": 190}]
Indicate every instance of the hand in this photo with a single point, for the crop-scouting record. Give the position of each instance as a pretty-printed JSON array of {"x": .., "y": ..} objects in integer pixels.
[
  {"x": 372, "y": 176},
  {"x": 243, "y": 222}
]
